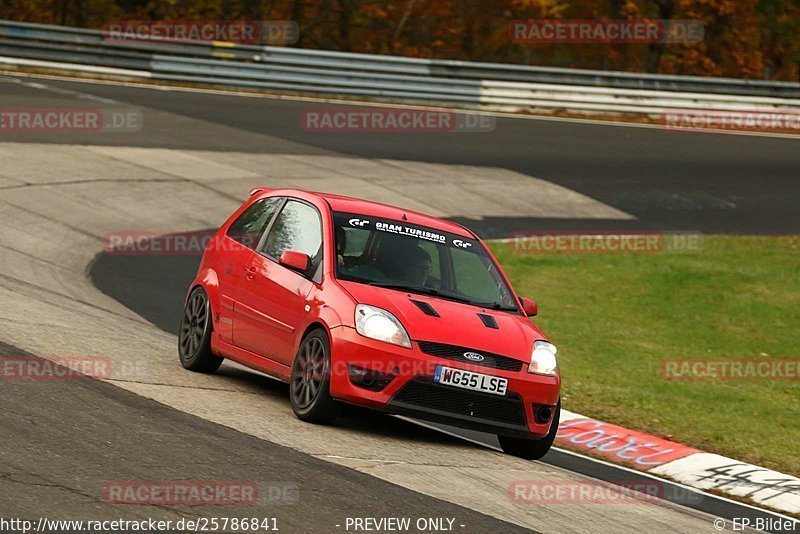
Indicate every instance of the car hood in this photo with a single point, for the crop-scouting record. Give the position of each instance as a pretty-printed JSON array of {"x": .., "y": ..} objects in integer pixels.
[{"x": 458, "y": 324}]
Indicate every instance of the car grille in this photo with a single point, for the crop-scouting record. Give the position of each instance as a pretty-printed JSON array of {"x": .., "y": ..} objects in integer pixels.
[
  {"x": 425, "y": 395},
  {"x": 456, "y": 353}
]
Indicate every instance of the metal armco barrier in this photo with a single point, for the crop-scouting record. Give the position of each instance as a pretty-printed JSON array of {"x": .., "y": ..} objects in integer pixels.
[{"x": 388, "y": 78}]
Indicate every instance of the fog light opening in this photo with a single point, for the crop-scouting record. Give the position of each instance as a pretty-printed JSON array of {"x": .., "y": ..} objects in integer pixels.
[
  {"x": 542, "y": 413},
  {"x": 369, "y": 378}
]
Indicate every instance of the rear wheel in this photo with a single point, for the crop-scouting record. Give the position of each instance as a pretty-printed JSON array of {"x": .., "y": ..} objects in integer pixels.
[
  {"x": 194, "y": 338},
  {"x": 531, "y": 449},
  {"x": 309, "y": 385}
]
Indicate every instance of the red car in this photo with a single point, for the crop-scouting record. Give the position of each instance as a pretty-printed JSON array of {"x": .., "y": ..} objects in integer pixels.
[{"x": 355, "y": 302}]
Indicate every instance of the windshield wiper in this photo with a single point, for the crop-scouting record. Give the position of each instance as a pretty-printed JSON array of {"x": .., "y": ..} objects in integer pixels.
[
  {"x": 496, "y": 306},
  {"x": 423, "y": 291}
]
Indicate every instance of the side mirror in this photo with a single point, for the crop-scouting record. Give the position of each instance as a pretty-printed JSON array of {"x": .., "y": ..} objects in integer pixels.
[
  {"x": 294, "y": 260},
  {"x": 529, "y": 306}
]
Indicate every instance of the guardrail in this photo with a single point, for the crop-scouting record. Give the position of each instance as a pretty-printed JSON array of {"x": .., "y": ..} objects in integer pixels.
[{"x": 390, "y": 78}]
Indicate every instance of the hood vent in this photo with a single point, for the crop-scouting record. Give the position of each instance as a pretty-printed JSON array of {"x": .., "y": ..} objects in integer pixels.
[
  {"x": 488, "y": 321},
  {"x": 426, "y": 308}
]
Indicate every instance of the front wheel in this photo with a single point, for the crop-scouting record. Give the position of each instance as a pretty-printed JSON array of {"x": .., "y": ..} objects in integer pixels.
[
  {"x": 309, "y": 385},
  {"x": 531, "y": 449},
  {"x": 194, "y": 338}
]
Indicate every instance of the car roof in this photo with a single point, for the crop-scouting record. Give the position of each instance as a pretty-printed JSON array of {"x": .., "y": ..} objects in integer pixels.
[{"x": 376, "y": 209}]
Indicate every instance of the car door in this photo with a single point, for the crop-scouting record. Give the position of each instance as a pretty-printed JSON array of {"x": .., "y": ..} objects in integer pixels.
[
  {"x": 272, "y": 299},
  {"x": 240, "y": 241}
]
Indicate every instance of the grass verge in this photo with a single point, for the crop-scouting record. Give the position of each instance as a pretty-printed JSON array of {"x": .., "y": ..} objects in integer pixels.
[{"x": 617, "y": 317}]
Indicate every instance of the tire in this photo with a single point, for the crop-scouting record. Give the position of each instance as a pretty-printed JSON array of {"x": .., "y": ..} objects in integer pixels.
[
  {"x": 531, "y": 449},
  {"x": 194, "y": 337},
  {"x": 309, "y": 384}
]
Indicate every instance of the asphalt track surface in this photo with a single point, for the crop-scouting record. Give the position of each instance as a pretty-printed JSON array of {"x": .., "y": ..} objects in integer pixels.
[
  {"x": 122, "y": 436},
  {"x": 67, "y": 438},
  {"x": 712, "y": 183}
]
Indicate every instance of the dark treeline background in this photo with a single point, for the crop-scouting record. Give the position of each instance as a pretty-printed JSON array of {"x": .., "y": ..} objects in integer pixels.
[{"x": 743, "y": 38}]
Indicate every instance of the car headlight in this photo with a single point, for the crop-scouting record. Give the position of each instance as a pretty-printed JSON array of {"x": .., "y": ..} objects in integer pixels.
[
  {"x": 543, "y": 359},
  {"x": 379, "y": 324}
]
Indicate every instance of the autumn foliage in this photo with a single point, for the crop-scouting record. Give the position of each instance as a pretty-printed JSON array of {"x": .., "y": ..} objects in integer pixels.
[{"x": 743, "y": 38}]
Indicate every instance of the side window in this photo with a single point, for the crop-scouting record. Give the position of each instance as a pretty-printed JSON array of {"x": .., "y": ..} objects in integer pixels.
[
  {"x": 249, "y": 226},
  {"x": 297, "y": 227}
]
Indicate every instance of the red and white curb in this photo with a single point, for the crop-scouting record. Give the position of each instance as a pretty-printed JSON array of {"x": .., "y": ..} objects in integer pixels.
[{"x": 687, "y": 465}]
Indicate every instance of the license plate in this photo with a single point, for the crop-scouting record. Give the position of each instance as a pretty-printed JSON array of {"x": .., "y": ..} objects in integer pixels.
[{"x": 469, "y": 380}]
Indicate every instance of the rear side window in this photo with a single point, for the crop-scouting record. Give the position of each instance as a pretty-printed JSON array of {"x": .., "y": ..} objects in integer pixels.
[
  {"x": 249, "y": 226},
  {"x": 298, "y": 227}
]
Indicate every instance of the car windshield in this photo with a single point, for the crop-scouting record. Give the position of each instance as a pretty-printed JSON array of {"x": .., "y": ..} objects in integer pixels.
[{"x": 418, "y": 259}]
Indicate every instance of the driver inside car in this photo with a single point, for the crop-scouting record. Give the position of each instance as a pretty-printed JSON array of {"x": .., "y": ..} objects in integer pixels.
[
  {"x": 417, "y": 267},
  {"x": 397, "y": 261}
]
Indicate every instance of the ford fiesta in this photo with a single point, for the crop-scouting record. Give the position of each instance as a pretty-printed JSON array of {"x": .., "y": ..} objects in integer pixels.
[{"x": 356, "y": 302}]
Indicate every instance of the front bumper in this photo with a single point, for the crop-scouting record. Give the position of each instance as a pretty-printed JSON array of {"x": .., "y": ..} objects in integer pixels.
[{"x": 412, "y": 392}]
